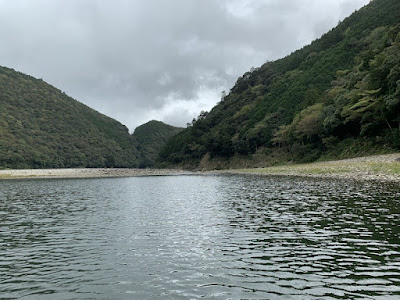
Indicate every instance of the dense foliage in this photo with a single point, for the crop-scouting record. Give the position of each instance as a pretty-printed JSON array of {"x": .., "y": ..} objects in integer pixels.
[
  {"x": 150, "y": 138},
  {"x": 339, "y": 93},
  {"x": 41, "y": 127}
]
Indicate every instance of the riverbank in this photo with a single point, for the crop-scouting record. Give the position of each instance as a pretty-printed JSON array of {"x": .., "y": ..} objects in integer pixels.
[
  {"x": 377, "y": 168},
  {"x": 85, "y": 173}
]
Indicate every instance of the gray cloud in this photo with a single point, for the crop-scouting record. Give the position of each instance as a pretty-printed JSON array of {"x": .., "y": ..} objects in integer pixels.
[{"x": 137, "y": 60}]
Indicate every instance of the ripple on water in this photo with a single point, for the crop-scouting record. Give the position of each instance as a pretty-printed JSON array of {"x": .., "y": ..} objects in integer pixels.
[{"x": 199, "y": 236}]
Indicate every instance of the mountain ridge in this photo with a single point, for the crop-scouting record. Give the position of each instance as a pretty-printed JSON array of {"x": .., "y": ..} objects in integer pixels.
[
  {"x": 149, "y": 138},
  {"x": 336, "y": 97},
  {"x": 42, "y": 127}
]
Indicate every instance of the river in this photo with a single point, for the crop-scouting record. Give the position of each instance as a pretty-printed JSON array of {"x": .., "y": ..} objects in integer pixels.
[{"x": 189, "y": 237}]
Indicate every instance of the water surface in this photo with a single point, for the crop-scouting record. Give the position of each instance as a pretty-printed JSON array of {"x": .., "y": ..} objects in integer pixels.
[{"x": 188, "y": 237}]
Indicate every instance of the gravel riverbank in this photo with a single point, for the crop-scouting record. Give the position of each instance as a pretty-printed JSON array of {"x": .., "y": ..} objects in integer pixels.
[
  {"x": 85, "y": 173},
  {"x": 377, "y": 168}
]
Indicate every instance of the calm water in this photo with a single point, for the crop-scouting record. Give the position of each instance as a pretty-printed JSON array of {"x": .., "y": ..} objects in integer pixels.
[{"x": 185, "y": 237}]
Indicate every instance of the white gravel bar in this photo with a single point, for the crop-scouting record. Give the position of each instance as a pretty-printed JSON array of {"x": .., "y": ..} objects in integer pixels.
[
  {"x": 86, "y": 173},
  {"x": 384, "y": 168}
]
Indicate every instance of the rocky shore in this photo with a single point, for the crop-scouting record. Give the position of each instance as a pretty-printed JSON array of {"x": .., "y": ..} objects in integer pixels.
[
  {"x": 85, "y": 173},
  {"x": 384, "y": 168}
]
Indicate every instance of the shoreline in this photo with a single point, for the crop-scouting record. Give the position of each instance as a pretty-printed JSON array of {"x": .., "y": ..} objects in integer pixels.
[
  {"x": 381, "y": 168},
  {"x": 86, "y": 173}
]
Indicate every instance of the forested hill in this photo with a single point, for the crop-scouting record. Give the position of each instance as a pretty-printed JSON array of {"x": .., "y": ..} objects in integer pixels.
[
  {"x": 150, "y": 138},
  {"x": 41, "y": 127},
  {"x": 337, "y": 97}
]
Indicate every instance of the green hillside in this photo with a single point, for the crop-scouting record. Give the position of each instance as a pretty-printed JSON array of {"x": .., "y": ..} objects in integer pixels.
[
  {"x": 41, "y": 127},
  {"x": 150, "y": 138},
  {"x": 337, "y": 97}
]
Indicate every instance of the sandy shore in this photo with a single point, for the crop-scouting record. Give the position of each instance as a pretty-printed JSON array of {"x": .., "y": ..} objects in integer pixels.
[
  {"x": 384, "y": 168},
  {"x": 85, "y": 173}
]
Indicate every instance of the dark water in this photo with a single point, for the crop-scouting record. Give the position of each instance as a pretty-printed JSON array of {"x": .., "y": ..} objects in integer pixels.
[{"x": 185, "y": 237}]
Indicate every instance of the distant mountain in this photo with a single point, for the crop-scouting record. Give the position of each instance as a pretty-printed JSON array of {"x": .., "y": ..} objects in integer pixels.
[
  {"x": 150, "y": 138},
  {"x": 41, "y": 127},
  {"x": 337, "y": 97}
]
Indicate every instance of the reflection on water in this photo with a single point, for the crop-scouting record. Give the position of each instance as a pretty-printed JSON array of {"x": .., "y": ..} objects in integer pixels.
[{"x": 185, "y": 237}]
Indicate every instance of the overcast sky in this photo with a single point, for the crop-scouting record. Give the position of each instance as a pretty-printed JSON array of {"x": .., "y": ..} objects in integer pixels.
[{"x": 138, "y": 60}]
